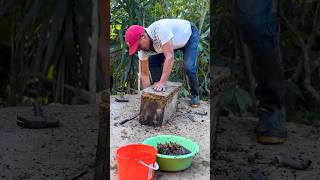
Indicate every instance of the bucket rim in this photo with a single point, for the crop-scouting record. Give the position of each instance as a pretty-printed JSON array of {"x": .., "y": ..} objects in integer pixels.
[
  {"x": 185, "y": 156},
  {"x": 136, "y": 144}
]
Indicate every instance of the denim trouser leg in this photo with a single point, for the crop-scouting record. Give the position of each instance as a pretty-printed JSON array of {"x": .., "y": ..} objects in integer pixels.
[
  {"x": 190, "y": 60},
  {"x": 258, "y": 26}
]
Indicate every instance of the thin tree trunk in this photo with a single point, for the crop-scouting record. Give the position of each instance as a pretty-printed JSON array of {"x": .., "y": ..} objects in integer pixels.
[
  {"x": 102, "y": 154},
  {"x": 94, "y": 51},
  {"x": 307, "y": 79},
  {"x": 203, "y": 16},
  {"x": 12, "y": 77},
  {"x": 220, "y": 78}
]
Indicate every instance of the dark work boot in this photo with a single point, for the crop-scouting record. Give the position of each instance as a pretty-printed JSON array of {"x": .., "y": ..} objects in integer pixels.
[
  {"x": 194, "y": 102},
  {"x": 271, "y": 128}
]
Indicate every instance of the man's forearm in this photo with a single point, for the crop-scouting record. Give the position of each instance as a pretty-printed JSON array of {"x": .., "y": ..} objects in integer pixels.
[
  {"x": 167, "y": 68},
  {"x": 145, "y": 81}
]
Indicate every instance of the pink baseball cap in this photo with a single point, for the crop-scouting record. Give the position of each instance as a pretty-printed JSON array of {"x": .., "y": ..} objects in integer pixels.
[{"x": 132, "y": 37}]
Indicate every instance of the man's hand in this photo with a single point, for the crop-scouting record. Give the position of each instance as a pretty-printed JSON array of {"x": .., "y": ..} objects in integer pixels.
[{"x": 159, "y": 86}]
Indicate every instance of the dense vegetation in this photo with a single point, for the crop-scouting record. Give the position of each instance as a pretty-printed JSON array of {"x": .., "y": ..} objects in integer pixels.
[
  {"x": 124, "y": 69},
  {"x": 300, "y": 50},
  {"x": 49, "y": 48}
]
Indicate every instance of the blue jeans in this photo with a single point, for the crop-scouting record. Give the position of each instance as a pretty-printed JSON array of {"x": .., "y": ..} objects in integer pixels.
[
  {"x": 190, "y": 62},
  {"x": 257, "y": 23}
]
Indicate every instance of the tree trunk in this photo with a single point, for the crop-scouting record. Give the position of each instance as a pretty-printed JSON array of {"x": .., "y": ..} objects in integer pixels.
[
  {"x": 94, "y": 51},
  {"x": 102, "y": 154},
  {"x": 307, "y": 79},
  {"x": 220, "y": 78},
  {"x": 203, "y": 16}
]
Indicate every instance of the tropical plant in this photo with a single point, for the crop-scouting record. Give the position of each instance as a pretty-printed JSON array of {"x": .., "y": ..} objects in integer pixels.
[{"x": 53, "y": 47}]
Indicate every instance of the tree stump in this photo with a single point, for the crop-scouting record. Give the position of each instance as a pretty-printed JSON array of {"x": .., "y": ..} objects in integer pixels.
[{"x": 158, "y": 107}]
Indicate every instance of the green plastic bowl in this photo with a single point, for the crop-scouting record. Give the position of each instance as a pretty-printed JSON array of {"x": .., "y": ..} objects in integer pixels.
[{"x": 174, "y": 163}]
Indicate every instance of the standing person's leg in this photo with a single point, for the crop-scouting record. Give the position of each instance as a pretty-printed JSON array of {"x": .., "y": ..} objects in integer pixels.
[
  {"x": 258, "y": 26},
  {"x": 190, "y": 65},
  {"x": 155, "y": 67}
]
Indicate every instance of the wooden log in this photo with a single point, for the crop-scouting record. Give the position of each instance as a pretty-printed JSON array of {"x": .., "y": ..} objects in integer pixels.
[{"x": 158, "y": 107}]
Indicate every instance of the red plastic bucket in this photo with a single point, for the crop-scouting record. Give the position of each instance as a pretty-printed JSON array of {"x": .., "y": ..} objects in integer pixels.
[{"x": 136, "y": 162}]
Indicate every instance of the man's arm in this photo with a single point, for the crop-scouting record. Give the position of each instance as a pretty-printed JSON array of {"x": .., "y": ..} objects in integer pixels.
[
  {"x": 145, "y": 80},
  {"x": 167, "y": 66},
  {"x": 168, "y": 62}
]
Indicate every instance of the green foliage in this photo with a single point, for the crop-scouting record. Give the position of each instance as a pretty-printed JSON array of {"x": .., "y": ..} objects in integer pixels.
[
  {"x": 125, "y": 13},
  {"x": 304, "y": 17},
  {"x": 236, "y": 100},
  {"x": 49, "y": 40}
]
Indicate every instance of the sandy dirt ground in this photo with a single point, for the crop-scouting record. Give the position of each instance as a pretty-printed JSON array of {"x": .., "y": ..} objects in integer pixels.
[
  {"x": 53, "y": 154},
  {"x": 239, "y": 155},
  {"x": 132, "y": 132}
]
